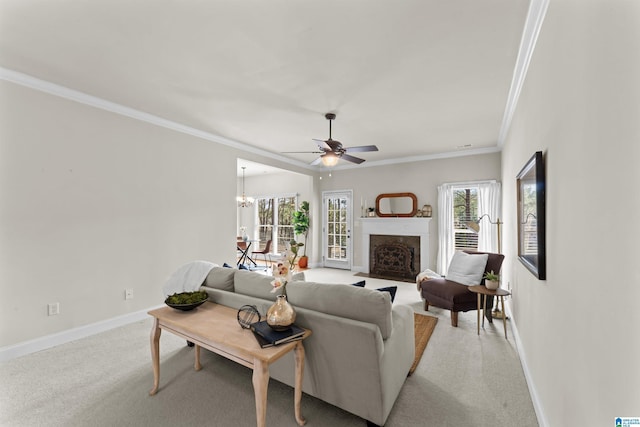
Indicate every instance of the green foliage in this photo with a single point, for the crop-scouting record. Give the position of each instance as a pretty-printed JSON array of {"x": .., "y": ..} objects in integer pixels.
[
  {"x": 294, "y": 246},
  {"x": 187, "y": 297},
  {"x": 491, "y": 276},
  {"x": 465, "y": 205},
  {"x": 301, "y": 224}
]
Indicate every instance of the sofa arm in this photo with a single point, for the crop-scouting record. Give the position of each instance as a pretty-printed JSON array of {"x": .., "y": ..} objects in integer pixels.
[
  {"x": 398, "y": 356},
  {"x": 399, "y": 348}
]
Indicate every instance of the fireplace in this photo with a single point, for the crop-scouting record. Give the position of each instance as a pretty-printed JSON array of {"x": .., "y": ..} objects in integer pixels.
[
  {"x": 413, "y": 228},
  {"x": 394, "y": 257}
]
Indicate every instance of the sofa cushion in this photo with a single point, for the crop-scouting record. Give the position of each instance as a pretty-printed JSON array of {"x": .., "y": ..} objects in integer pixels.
[
  {"x": 220, "y": 278},
  {"x": 348, "y": 301},
  {"x": 467, "y": 269},
  {"x": 254, "y": 284},
  {"x": 298, "y": 277},
  {"x": 453, "y": 296}
]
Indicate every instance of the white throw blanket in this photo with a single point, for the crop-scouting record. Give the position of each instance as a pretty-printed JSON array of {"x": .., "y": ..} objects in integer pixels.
[
  {"x": 427, "y": 274},
  {"x": 188, "y": 278}
]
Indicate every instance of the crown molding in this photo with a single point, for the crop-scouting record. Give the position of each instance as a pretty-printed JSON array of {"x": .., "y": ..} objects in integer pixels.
[
  {"x": 399, "y": 160},
  {"x": 96, "y": 102},
  {"x": 533, "y": 24},
  {"x": 93, "y": 101}
]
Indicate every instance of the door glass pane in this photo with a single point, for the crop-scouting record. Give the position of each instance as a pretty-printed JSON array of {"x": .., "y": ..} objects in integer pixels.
[{"x": 336, "y": 229}]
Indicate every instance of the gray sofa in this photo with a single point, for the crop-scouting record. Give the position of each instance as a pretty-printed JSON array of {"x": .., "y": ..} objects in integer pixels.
[{"x": 361, "y": 348}]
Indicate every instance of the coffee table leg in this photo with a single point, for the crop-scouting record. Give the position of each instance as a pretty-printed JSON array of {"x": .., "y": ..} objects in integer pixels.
[
  {"x": 155, "y": 355},
  {"x": 479, "y": 301},
  {"x": 299, "y": 358},
  {"x": 504, "y": 317},
  {"x": 260, "y": 384}
]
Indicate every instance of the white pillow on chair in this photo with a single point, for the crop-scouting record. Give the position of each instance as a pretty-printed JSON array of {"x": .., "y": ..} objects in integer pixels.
[{"x": 467, "y": 269}]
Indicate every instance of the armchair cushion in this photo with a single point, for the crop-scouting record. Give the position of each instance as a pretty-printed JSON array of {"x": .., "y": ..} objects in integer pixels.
[{"x": 467, "y": 269}]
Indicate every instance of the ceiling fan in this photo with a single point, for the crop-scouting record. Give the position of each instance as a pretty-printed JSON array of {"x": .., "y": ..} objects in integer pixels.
[{"x": 331, "y": 150}]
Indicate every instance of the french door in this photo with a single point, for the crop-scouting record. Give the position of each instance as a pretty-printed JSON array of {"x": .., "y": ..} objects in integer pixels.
[{"x": 336, "y": 229}]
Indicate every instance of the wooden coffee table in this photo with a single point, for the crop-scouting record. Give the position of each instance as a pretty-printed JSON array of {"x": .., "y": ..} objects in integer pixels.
[
  {"x": 482, "y": 292},
  {"x": 215, "y": 327}
]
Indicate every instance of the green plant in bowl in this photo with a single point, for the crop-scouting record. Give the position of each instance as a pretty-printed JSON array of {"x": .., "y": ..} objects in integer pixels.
[
  {"x": 491, "y": 280},
  {"x": 186, "y": 300},
  {"x": 491, "y": 276}
]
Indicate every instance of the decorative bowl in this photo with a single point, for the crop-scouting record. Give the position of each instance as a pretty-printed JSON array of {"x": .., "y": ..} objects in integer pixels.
[
  {"x": 186, "y": 301},
  {"x": 185, "y": 307}
]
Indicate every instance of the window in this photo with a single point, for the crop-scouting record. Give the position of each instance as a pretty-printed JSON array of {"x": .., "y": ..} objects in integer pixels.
[
  {"x": 274, "y": 220},
  {"x": 465, "y": 208},
  {"x": 460, "y": 203}
]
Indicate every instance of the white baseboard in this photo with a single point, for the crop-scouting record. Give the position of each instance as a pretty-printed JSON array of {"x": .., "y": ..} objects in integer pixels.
[
  {"x": 48, "y": 341},
  {"x": 537, "y": 405}
]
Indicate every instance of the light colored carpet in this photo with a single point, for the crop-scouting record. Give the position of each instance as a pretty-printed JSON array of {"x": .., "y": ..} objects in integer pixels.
[
  {"x": 462, "y": 379},
  {"x": 424, "y": 326}
]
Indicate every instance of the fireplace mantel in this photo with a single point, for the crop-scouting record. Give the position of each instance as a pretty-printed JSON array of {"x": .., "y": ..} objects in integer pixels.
[{"x": 399, "y": 227}]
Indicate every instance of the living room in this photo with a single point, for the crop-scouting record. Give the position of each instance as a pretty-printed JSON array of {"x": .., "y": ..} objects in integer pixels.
[{"x": 95, "y": 202}]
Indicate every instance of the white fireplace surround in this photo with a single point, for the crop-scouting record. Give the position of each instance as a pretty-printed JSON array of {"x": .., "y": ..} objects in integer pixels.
[{"x": 395, "y": 227}]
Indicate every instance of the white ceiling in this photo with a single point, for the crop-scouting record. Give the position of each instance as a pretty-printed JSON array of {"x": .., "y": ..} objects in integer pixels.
[{"x": 415, "y": 77}]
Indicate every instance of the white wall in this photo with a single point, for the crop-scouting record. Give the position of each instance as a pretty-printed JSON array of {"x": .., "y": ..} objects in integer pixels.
[
  {"x": 93, "y": 203},
  {"x": 580, "y": 105},
  {"x": 421, "y": 178}
]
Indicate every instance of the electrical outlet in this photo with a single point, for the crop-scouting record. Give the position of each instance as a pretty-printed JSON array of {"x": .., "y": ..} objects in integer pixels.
[
  {"x": 128, "y": 294},
  {"x": 53, "y": 308}
]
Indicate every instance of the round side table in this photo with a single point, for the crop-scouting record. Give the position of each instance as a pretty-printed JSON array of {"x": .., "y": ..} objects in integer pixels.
[{"x": 482, "y": 292}]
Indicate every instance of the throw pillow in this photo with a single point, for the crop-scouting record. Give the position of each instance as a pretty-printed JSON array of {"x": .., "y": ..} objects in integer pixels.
[
  {"x": 391, "y": 289},
  {"x": 467, "y": 269}
]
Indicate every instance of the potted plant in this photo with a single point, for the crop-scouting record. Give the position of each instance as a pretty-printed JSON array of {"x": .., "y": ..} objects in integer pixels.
[
  {"x": 491, "y": 280},
  {"x": 301, "y": 225}
]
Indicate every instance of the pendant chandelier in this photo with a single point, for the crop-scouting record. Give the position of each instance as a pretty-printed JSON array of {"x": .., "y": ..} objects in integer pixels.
[{"x": 244, "y": 201}]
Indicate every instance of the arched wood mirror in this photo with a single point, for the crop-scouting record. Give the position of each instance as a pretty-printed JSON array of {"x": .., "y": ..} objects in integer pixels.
[{"x": 396, "y": 205}]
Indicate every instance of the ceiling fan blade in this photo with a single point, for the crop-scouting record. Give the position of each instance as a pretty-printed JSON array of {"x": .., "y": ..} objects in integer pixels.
[
  {"x": 361, "y": 148},
  {"x": 351, "y": 159},
  {"x": 322, "y": 144},
  {"x": 316, "y": 161},
  {"x": 302, "y": 152}
]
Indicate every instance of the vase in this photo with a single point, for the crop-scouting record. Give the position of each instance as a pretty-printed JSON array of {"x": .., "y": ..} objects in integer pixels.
[
  {"x": 303, "y": 261},
  {"x": 491, "y": 284},
  {"x": 281, "y": 314}
]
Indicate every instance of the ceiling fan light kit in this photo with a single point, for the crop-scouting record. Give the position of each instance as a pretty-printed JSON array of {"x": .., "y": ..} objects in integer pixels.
[{"x": 330, "y": 159}]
